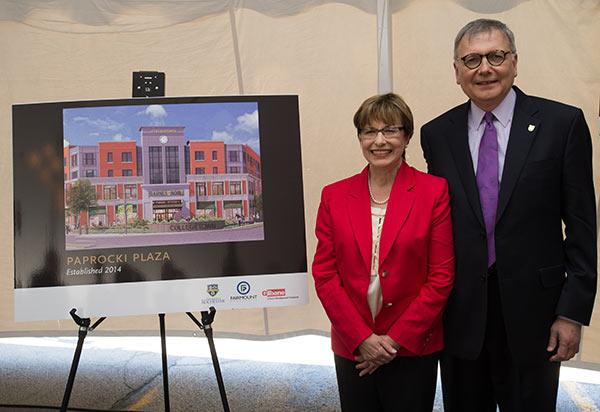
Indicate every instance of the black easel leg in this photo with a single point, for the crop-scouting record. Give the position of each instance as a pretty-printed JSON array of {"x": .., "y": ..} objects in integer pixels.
[
  {"x": 165, "y": 365},
  {"x": 207, "y": 319},
  {"x": 215, "y": 359},
  {"x": 82, "y": 334},
  {"x": 84, "y": 327}
]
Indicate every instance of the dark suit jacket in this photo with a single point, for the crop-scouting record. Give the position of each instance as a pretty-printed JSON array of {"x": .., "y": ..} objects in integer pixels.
[
  {"x": 547, "y": 181},
  {"x": 416, "y": 262}
]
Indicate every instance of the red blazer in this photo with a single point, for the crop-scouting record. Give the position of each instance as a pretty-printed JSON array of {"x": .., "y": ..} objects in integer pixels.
[{"x": 416, "y": 262}]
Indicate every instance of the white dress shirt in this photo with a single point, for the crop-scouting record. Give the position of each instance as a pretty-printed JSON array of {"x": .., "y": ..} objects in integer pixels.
[{"x": 503, "y": 115}]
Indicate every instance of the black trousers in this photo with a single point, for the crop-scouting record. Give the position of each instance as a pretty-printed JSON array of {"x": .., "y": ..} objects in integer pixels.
[
  {"x": 494, "y": 378},
  {"x": 405, "y": 384}
]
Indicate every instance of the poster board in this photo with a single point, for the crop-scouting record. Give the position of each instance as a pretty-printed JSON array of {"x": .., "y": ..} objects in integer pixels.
[{"x": 157, "y": 205}]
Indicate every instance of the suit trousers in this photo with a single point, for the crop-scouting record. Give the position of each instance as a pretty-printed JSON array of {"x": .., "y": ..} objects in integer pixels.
[
  {"x": 405, "y": 384},
  {"x": 494, "y": 377}
]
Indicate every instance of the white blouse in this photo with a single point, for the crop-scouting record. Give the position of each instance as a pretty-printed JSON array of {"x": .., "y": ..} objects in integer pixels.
[{"x": 374, "y": 296}]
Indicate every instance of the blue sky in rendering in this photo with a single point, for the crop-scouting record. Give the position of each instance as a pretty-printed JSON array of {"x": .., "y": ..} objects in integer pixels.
[{"x": 234, "y": 122}]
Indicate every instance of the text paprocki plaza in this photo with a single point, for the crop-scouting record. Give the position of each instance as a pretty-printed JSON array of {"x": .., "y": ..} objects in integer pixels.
[{"x": 118, "y": 258}]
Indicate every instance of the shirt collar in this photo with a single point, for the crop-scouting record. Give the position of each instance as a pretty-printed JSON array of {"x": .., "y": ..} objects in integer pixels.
[{"x": 503, "y": 112}]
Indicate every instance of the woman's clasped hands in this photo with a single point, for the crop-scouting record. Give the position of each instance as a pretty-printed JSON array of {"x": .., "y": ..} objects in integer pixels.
[{"x": 375, "y": 351}]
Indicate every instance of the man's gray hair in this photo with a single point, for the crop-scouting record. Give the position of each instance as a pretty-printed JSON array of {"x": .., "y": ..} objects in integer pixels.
[{"x": 482, "y": 26}]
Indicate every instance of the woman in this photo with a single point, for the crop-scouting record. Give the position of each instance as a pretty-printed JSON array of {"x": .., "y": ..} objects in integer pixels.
[{"x": 384, "y": 267}]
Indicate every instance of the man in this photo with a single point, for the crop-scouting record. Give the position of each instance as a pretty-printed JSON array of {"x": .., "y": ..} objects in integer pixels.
[{"x": 518, "y": 168}]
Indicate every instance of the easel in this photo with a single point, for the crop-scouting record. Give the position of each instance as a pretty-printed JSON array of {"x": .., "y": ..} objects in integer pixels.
[
  {"x": 207, "y": 319},
  {"x": 147, "y": 84}
]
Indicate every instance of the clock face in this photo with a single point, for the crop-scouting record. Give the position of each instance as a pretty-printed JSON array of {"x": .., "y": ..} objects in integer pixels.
[{"x": 163, "y": 139}]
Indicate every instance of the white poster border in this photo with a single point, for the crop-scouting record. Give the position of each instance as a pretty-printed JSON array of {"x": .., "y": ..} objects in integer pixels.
[{"x": 165, "y": 296}]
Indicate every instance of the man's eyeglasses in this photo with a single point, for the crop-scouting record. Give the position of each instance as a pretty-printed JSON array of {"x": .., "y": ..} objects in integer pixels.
[
  {"x": 494, "y": 58},
  {"x": 388, "y": 132}
]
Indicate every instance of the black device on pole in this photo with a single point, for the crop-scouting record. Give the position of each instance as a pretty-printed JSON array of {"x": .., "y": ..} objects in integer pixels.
[
  {"x": 148, "y": 84},
  {"x": 207, "y": 319},
  {"x": 84, "y": 328},
  {"x": 152, "y": 84}
]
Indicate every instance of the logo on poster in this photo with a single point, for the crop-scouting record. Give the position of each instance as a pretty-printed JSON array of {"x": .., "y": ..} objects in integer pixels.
[
  {"x": 212, "y": 289},
  {"x": 243, "y": 288},
  {"x": 273, "y": 293}
]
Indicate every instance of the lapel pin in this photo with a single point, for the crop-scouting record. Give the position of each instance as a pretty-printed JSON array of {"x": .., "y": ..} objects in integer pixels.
[{"x": 531, "y": 128}]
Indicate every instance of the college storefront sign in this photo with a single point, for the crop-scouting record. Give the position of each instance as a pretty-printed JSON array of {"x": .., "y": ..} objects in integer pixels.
[{"x": 188, "y": 226}]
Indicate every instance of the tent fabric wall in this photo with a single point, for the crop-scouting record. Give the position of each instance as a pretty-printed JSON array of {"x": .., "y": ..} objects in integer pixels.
[{"x": 324, "y": 51}]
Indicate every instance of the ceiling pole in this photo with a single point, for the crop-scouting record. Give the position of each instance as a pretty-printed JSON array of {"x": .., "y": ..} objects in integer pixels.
[
  {"x": 236, "y": 50},
  {"x": 384, "y": 47}
]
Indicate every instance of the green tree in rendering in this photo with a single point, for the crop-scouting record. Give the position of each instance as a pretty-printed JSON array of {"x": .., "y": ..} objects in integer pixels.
[{"x": 81, "y": 196}]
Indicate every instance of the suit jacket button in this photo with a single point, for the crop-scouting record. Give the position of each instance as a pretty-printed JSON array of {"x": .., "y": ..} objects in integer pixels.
[
  {"x": 482, "y": 235},
  {"x": 483, "y": 276},
  {"x": 388, "y": 305},
  {"x": 384, "y": 274}
]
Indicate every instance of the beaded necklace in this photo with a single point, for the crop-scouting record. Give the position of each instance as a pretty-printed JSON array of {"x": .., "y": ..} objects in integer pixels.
[{"x": 377, "y": 202}]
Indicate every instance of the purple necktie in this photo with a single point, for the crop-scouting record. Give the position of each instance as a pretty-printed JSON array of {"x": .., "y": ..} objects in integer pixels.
[{"x": 487, "y": 182}]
